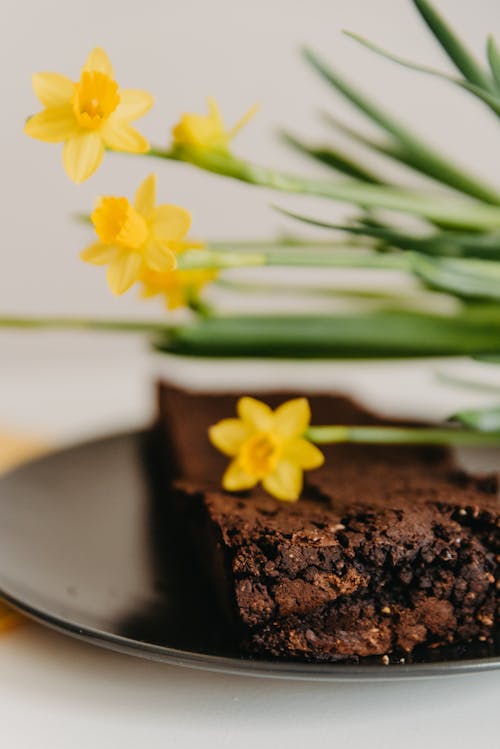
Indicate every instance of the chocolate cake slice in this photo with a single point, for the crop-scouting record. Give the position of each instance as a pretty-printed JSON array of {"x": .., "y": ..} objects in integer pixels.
[{"x": 390, "y": 550}]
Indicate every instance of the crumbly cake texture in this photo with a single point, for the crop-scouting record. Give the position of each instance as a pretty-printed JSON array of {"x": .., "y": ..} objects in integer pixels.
[{"x": 389, "y": 551}]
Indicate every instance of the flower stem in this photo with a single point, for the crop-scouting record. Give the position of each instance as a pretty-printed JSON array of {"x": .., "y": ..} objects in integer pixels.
[
  {"x": 326, "y": 435},
  {"x": 211, "y": 259},
  {"x": 79, "y": 323},
  {"x": 283, "y": 241},
  {"x": 456, "y": 212}
]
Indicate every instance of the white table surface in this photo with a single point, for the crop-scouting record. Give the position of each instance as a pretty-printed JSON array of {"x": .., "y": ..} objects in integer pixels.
[{"x": 57, "y": 692}]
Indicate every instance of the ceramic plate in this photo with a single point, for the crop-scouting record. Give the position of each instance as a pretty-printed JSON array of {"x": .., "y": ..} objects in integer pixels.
[{"x": 83, "y": 549}]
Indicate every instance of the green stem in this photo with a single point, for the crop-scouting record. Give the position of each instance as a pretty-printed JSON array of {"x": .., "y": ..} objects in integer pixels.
[
  {"x": 458, "y": 212},
  {"x": 326, "y": 435},
  {"x": 207, "y": 259},
  {"x": 270, "y": 244},
  {"x": 79, "y": 323}
]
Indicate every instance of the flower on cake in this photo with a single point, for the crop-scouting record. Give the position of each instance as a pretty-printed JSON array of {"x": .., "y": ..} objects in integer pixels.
[
  {"x": 88, "y": 115},
  {"x": 136, "y": 239},
  {"x": 267, "y": 446},
  {"x": 207, "y": 132}
]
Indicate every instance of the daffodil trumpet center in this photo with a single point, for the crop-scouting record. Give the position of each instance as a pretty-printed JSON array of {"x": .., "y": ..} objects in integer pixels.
[
  {"x": 96, "y": 97},
  {"x": 116, "y": 221},
  {"x": 260, "y": 454}
]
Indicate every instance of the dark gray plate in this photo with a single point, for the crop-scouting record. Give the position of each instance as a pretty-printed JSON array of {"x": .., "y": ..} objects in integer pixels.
[{"x": 84, "y": 549}]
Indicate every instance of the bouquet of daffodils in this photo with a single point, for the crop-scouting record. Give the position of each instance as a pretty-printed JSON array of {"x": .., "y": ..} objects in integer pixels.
[{"x": 451, "y": 251}]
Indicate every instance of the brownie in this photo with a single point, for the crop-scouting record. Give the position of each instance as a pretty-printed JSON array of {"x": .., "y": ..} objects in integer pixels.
[{"x": 389, "y": 550}]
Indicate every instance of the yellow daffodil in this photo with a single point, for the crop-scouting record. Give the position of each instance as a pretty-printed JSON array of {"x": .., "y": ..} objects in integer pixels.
[
  {"x": 135, "y": 239},
  {"x": 267, "y": 446},
  {"x": 88, "y": 115},
  {"x": 177, "y": 286},
  {"x": 207, "y": 131}
]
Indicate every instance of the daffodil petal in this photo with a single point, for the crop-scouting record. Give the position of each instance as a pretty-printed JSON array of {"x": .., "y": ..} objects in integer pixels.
[
  {"x": 235, "y": 479},
  {"x": 124, "y": 271},
  {"x": 285, "y": 482},
  {"x": 120, "y": 136},
  {"x": 175, "y": 298},
  {"x": 159, "y": 257},
  {"x": 170, "y": 222},
  {"x": 98, "y": 62},
  {"x": 53, "y": 125},
  {"x": 187, "y": 244},
  {"x": 145, "y": 197},
  {"x": 99, "y": 253},
  {"x": 133, "y": 103},
  {"x": 53, "y": 89},
  {"x": 82, "y": 154},
  {"x": 255, "y": 413},
  {"x": 304, "y": 454},
  {"x": 229, "y": 435},
  {"x": 243, "y": 121},
  {"x": 292, "y": 418},
  {"x": 214, "y": 113}
]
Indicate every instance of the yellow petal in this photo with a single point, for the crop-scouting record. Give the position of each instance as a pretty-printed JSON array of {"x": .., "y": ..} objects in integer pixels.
[
  {"x": 255, "y": 413},
  {"x": 124, "y": 271},
  {"x": 120, "y": 136},
  {"x": 82, "y": 154},
  {"x": 243, "y": 120},
  {"x": 99, "y": 253},
  {"x": 98, "y": 62},
  {"x": 52, "y": 89},
  {"x": 133, "y": 103},
  {"x": 170, "y": 222},
  {"x": 228, "y": 435},
  {"x": 145, "y": 196},
  {"x": 159, "y": 257},
  {"x": 235, "y": 479},
  {"x": 214, "y": 113},
  {"x": 304, "y": 454},
  {"x": 53, "y": 125},
  {"x": 175, "y": 298},
  {"x": 187, "y": 244},
  {"x": 292, "y": 418},
  {"x": 285, "y": 482}
]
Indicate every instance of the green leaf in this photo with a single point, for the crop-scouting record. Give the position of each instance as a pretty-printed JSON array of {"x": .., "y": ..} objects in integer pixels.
[
  {"x": 394, "y": 151},
  {"x": 430, "y": 161},
  {"x": 333, "y": 159},
  {"x": 467, "y": 278},
  {"x": 454, "y": 47},
  {"x": 375, "y": 335},
  {"x": 494, "y": 59},
  {"x": 482, "y": 420},
  {"x": 355, "y": 135},
  {"x": 444, "y": 244},
  {"x": 491, "y": 99}
]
